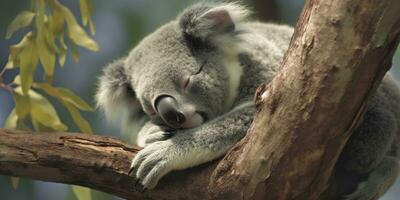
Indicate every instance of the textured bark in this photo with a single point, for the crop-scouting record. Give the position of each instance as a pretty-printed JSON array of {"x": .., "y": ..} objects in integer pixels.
[
  {"x": 338, "y": 55},
  {"x": 98, "y": 162}
]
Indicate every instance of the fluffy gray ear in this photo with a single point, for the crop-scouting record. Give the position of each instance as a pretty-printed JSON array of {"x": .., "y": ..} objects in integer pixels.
[
  {"x": 203, "y": 21},
  {"x": 115, "y": 92}
]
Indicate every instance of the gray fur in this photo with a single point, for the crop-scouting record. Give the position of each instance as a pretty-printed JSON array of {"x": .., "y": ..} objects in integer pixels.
[{"x": 235, "y": 57}]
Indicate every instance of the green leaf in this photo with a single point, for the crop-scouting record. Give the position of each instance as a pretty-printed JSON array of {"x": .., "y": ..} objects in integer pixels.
[
  {"x": 75, "y": 31},
  {"x": 81, "y": 193},
  {"x": 50, "y": 35},
  {"x": 46, "y": 56},
  {"x": 63, "y": 51},
  {"x": 22, "y": 20},
  {"x": 91, "y": 27},
  {"x": 86, "y": 11},
  {"x": 22, "y": 104},
  {"x": 83, "y": 125},
  {"x": 58, "y": 21},
  {"x": 44, "y": 112},
  {"x": 70, "y": 101},
  {"x": 40, "y": 10},
  {"x": 70, "y": 97},
  {"x": 66, "y": 95},
  {"x": 14, "y": 182},
  {"x": 75, "y": 54},
  {"x": 15, "y": 50},
  {"x": 40, "y": 127},
  {"x": 11, "y": 121},
  {"x": 28, "y": 61}
]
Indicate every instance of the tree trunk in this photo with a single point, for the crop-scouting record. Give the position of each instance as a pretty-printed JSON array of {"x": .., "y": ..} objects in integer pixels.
[{"x": 338, "y": 55}]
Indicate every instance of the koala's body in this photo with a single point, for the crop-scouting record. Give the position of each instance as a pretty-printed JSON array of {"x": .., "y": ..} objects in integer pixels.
[{"x": 189, "y": 88}]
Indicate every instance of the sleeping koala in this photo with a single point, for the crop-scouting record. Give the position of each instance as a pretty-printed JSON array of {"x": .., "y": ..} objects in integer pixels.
[{"x": 189, "y": 86}]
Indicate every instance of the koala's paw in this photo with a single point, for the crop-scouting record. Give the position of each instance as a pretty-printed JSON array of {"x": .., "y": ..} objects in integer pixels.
[
  {"x": 155, "y": 161},
  {"x": 157, "y": 136},
  {"x": 151, "y": 135},
  {"x": 362, "y": 192}
]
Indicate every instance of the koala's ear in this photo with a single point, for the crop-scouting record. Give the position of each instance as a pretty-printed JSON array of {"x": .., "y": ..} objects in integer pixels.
[
  {"x": 203, "y": 21},
  {"x": 115, "y": 92}
]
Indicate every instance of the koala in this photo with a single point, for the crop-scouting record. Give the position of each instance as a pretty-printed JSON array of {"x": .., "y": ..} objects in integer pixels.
[{"x": 187, "y": 91}]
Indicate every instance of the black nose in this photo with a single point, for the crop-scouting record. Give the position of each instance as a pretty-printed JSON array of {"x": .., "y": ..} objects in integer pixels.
[{"x": 169, "y": 111}]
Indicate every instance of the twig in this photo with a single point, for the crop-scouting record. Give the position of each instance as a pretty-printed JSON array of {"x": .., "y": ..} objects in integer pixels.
[{"x": 8, "y": 88}]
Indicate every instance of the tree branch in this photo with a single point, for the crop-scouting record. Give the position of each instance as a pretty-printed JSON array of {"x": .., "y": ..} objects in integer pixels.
[
  {"x": 338, "y": 55},
  {"x": 97, "y": 162}
]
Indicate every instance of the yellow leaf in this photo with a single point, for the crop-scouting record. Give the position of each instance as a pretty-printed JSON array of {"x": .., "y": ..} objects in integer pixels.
[
  {"x": 39, "y": 127},
  {"x": 75, "y": 54},
  {"x": 40, "y": 10},
  {"x": 17, "y": 80},
  {"x": 46, "y": 56},
  {"x": 16, "y": 49},
  {"x": 85, "y": 11},
  {"x": 22, "y": 105},
  {"x": 83, "y": 125},
  {"x": 44, "y": 112},
  {"x": 70, "y": 101},
  {"x": 22, "y": 20},
  {"x": 28, "y": 62},
  {"x": 50, "y": 36},
  {"x": 11, "y": 121},
  {"x": 91, "y": 27},
  {"x": 14, "y": 182},
  {"x": 58, "y": 22},
  {"x": 75, "y": 31},
  {"x": 49, "y": 89},
  {"x": 63, "y": 51},
  {"x": 81, "y": 193},
  {"x": 70, "y": 97}
]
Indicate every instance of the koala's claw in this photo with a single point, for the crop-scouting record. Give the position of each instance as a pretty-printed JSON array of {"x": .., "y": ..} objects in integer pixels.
[{"x": 153, "y": 162}]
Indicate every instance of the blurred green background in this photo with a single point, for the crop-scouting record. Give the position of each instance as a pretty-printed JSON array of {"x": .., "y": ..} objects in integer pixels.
[{"x": 120, "y": 25}]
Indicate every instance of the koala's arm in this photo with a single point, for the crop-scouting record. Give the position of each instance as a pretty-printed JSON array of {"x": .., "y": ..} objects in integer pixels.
[{"x": 191, "y": 147}]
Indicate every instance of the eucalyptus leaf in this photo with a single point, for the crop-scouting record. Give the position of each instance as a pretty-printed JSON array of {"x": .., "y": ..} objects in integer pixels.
[
  {"x": 22, "y": 105},
  {"x": 81, "y": 193},
  {"x": 81, "y": 122},
  {"x": 44, "y": 112},
  {"x": 11, "y": 121},
  {"x": 72, "y": 98},
  {"x": 84, "y": 6},
  {"x": 46, "y": 56},
  {"x": 15, "y": 50},
  {"x": 75, "y": 31},
  {"x": 28, "y": 61},
  {"x": 23, "y": 19}
]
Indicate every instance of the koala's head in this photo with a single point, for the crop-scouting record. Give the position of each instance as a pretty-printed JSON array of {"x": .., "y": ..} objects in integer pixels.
[{"x": 178, "y": 75}]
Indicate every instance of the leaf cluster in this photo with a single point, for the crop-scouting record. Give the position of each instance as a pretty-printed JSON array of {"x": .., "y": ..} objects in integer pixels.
[{"x": 52, "y": 31}]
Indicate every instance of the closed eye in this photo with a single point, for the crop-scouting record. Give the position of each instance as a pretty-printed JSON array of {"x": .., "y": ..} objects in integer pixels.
[
  {"x": 201, "y": 68},
  {"x": 188, "y": 81}
]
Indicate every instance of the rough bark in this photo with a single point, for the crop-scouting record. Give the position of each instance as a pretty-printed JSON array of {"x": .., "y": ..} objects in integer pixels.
[
  {"x": 338, "y": 55},
  {"x": 98, "y": 162}
]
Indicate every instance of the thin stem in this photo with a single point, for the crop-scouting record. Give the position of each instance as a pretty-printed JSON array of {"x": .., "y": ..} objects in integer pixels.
[
  {"x": 2, "y": 72},
  {"x": 7, "y": 87}
]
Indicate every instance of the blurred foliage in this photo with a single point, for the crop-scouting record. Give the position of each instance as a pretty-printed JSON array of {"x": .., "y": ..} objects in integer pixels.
[{"x": 52, "y": 30}]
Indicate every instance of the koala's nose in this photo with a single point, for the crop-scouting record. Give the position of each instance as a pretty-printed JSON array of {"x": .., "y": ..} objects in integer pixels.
[{"x": 169, "y": 111}]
